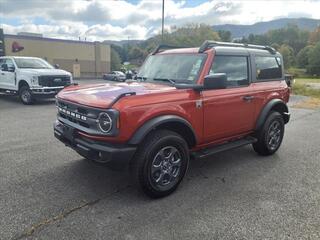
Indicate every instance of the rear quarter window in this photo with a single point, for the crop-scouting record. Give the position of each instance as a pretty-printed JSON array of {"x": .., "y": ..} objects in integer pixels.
[{"x": 268, "y": 68}]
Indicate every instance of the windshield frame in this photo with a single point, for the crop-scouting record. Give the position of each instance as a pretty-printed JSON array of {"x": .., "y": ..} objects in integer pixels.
[
  {"x": 49, "y": 66},
  {"x": 196, "y": 78}
]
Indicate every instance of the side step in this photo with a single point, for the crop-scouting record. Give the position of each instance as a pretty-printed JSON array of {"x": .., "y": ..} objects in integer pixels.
[
  {"x": 223, "y": 147},
  {"x": 8, "y": 92}
]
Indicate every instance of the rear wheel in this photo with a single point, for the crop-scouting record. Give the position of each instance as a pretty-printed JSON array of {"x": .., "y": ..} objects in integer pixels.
[
  {"x": 271, "y": 135},
  {"x": 25, "y": 95},
  {"x": 160, "y": 163}
]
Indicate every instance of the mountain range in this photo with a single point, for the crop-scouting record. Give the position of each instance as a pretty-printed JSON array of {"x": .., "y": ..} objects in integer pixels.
[{"x": 238, "y": 31}]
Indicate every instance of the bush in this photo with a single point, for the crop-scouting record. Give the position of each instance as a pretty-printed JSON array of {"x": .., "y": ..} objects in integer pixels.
[
  {"x": 115, "y": 60},
  {"x": 303, "y": 56},
  {"x": 298, "y": 72},
  {"x": 314, "y": 60}
]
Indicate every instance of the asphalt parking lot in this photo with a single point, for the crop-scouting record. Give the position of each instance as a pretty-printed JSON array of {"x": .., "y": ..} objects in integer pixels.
[{"x": 47, "y": 191}]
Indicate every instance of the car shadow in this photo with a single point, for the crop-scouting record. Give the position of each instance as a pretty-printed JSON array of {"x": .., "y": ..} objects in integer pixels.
[
  {"x": 76, "y": 183},
  {"x": 15, "y": 100},
  {"x": 85, "y": 180}
]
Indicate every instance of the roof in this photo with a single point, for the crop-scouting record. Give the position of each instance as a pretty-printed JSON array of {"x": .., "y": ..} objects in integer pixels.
[
  {"x": 51, "y": 39},
  {"x": 180, "y": 50},
  {"x": 220, "y": 48},
  {"x": 17, "y": 57},
  {"x": 242, "y": 50}
]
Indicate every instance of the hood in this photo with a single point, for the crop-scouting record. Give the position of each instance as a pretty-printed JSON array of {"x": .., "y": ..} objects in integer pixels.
[
  {"x": 103, "y": 95},
  {"x": 40, "y": 72}
]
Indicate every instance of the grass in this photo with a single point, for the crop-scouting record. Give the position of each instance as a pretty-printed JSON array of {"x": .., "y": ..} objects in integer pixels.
[
  {"x": 300, "y": 87},
  {"x": 307, "y": 80},
  {"x": 311, "y": 103}
]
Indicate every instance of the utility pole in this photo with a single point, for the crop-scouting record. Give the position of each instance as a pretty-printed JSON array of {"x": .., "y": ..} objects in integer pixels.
[
  {"x": 128, "y": 49},
  {"x": 162, "y": 20}
]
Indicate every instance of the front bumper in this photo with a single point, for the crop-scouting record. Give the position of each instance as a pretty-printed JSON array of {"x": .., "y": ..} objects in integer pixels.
[
  {"x": 116, "y": 156},
  {"x": 45, "y": 91},
  {"x": 286, "y": 117}
]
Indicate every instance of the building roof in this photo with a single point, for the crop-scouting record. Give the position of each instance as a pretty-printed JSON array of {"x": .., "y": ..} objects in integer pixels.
[{"x": 50, "y": 39}]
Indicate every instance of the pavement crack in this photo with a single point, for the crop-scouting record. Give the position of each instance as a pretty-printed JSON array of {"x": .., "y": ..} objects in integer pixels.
[{"x": 28, "y": 232}]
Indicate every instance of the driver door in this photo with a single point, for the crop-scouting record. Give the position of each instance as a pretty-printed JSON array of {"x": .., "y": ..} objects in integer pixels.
[
  {"x": 7, "y": 74},
  {"x": 229, "y": 112}
]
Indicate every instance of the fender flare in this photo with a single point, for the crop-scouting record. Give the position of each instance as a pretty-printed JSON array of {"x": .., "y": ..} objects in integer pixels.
[
  {"x": 153, "y": 123},
  {"x": 274, "y": 103},
  {"x": 23, "y": 82}
]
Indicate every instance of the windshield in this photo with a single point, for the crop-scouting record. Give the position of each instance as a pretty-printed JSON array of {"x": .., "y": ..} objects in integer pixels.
[
  {"x": 32, "y": 63},
  {"x": 172, "y": 67}
]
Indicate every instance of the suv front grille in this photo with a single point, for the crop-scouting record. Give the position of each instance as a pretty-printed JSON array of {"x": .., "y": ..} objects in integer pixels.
[
  {"x": 54, "y": 81},
  {"x": 80, "y": 115}
]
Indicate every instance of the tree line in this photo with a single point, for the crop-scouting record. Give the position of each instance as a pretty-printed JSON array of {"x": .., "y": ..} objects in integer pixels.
[{"x": 300, "y": 48}]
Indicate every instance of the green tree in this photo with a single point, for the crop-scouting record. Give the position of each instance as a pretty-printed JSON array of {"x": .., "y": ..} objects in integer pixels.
[
  {"x": 121, "y": 51},
  {"x": 275, "y": 46},
  {"x": 303, "y": 55},
  {"x": 290, "y": 35},
  {"x": 315, "y": 36},
  {"x": 115, "y": 60},
  {"x": 137, "y": 53},
  {"x": 191, "y": 35},
  {"x": 287, "y": 54},
  {"x": 225, "y": 35},
  {"x": 314, "y": 60}
]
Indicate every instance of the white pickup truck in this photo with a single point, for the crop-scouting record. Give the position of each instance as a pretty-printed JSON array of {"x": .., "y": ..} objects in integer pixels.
[{"x": 31, "y": 78}]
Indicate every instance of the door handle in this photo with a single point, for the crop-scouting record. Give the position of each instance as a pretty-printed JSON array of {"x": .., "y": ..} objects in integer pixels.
[
  {"x": 248, "y": 98},
  {"x": 2, "y": 74}
]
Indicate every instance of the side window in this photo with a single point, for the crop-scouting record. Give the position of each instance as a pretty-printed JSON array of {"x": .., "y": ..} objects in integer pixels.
[
  {"x": 235, "y": 67},
  {"x": 1, "y": 62},
  {"x": 9, "y": 64},
  {"x": 268, "y": 68}
]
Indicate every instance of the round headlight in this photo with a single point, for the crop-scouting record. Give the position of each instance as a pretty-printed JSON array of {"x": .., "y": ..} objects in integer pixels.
[{"x": 104, "y": 122}]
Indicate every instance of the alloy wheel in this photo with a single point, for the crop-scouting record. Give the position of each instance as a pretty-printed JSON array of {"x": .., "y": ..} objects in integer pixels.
[
  {"x": 165, "y": 168},
  {"x": 26, "y": 96},
  {"x": 274, "y": 135}
]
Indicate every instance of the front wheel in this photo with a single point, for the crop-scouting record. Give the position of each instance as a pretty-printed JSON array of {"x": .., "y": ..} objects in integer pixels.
[
  {"x": 25, "y": 95},
  {"x": 160, "y": 163},
  {"x": 271, "y": 135}
]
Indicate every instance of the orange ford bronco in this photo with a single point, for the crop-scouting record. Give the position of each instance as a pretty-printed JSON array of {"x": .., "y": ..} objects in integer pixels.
[{"x": 185, "y": 102}]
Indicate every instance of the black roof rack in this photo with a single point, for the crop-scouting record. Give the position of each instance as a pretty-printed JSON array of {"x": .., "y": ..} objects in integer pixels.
[
  {"x": 210, "y": 44},
  {"x": 163, "y": 47}
]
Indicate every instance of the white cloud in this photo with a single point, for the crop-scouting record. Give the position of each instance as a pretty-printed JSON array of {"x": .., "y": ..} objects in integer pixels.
[{"x": 103, "y": 19}]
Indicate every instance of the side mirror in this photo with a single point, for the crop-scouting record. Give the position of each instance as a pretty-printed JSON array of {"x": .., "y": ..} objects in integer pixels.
[
  {"x": 215, "y": 81},
  {"x": 4, "y": 67},
  {"x": 56, "y": 66}
]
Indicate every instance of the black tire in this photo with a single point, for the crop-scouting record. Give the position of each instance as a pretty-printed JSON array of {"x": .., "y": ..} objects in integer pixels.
[
  {"x": 153, "y": 151},
  {"x": 270, "y": 136},
  {"x": 25, "y": 95},
  {"x": 114, "y": 79}
]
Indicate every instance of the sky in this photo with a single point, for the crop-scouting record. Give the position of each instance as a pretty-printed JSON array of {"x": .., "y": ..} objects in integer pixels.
[{"x": 98, "y": 20}]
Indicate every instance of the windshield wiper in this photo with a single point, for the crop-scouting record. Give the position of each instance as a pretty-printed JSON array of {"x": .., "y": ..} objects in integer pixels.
[{"x": 165, "y": 80}]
